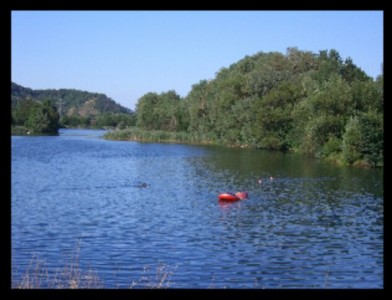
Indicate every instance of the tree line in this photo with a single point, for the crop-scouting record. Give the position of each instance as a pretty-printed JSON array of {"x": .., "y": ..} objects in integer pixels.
[
  {"x": 300, "y": 101},
  {"x": 68, "y": 101},
  {"x": 43, "y": 117},
  {"x": 32, "y": 109}
]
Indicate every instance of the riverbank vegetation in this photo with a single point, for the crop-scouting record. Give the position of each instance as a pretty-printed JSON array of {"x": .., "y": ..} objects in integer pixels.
[
  {"x": 35, "y": 117},
  {"x": 316, "y": 104},
  {"x": 159, "y": 136}
]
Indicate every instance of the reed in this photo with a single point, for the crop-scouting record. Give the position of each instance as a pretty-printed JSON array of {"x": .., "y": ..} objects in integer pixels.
[
  {"x": 71, "y": 276},
  {"x": 160, "y": 136}
]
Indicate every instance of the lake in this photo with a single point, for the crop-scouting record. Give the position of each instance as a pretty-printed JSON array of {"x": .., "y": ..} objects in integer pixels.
[{"x": 133, "y": 211}]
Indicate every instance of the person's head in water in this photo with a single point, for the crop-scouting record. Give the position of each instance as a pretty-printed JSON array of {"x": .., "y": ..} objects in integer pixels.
[{"x": 242, "y": 195}]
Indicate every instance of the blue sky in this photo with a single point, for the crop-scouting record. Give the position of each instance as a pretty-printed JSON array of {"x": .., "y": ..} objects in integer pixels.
[{"x": 126, "y": 54}]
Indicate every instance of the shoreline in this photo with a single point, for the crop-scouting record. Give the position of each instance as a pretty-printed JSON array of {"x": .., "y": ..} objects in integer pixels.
[{"x": 160, "y": 136}]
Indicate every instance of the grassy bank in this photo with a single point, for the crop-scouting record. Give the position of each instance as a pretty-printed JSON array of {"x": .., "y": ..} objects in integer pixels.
[{"x": 137, "y": 134}]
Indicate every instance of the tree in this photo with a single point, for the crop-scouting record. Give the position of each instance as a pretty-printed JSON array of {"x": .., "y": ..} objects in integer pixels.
[
  {"x": 351, "y": 72},
  {"x": 301, "y": 61},
  {"x": 21, "y": 111},
  {"x": 364, "y": 139},
  {"x": 43, "y": 118},
  {"x": 160, "y": 112},
  {"x": 379, "y": 84},
  {"x": 197, "y": 104},
  {"x": 329, "y": 62},
  {"x": 145, "y": 116},
  {"x": 322, "y": 114},
  {"x": 274, "y": 116},
  {"x": 372, "y": 141}
]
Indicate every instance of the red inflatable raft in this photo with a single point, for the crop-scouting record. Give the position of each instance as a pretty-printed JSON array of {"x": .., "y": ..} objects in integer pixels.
[{"x": 232, "y": 197}]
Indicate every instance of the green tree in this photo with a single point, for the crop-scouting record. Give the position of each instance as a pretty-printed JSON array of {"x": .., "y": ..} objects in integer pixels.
[
  {"x": 363, "y": 140},
  {"x": 274, "y": 116},
  {"x": 329, "y": 62},
  {"x": 21, "y": 111},
  {"x": 161, "y": 112},
  {"x": 372, "y": 142},
  {"x": 351, "y": 72},
  {"x": 301, "y": 61},
  {"x": 352, "y": 141},
  {"x": 197, "y": 104},
  {"x": 167, "y": 109},
  {"x": 145, "y": 114},
  {"x": 379, "y": 84},
  {"x": 322, "y": 114},
  {"x": 270, "y": 70},
  {"x": 43, "y": 118}
]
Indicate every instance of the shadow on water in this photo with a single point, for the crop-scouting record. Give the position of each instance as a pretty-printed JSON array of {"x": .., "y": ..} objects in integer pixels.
[{"x": 247, "y": 166}]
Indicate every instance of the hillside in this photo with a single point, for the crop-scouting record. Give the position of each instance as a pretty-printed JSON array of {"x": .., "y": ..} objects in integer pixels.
[
  {"x": 73, "y": 108},
  {"x": 69, "y": 102}
]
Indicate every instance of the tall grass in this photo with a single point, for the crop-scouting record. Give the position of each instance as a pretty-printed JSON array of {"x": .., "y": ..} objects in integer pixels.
[
  {"x": 160, "y": 280},
  {"x": 71, "y": 276},
  {"x": 137, "y": 134}
]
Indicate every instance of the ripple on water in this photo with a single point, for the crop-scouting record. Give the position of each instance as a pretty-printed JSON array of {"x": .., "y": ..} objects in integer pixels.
[{"x": 311, "y": 227}]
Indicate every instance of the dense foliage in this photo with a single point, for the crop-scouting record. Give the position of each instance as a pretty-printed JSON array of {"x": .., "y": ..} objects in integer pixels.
[
  {"x": 37, "y": 117},
  {"x": 161, "y": 112},
  {"x": 76, "y": 108},
  {"x": 316, "y": 104}
]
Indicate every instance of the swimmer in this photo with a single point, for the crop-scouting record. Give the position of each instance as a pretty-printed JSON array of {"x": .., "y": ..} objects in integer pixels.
[{"x": 241, "y": 195}]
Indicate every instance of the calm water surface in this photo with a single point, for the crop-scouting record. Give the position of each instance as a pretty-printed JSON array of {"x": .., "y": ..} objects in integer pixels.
[{"x": 315, "y": 225}]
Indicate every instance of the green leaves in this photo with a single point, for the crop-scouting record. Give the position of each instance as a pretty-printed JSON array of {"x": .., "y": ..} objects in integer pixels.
[
  {"x": 363, "y": 141},
  {"x": 161, "y": 112},
  {"x": 43, "y": 118}
]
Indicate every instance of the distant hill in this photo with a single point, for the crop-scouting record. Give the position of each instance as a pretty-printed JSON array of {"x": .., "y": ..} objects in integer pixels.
[{"x": 69, "y": 102}]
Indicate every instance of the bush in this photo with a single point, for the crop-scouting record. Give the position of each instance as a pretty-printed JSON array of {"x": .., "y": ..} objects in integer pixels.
[{"x": 363, "y": 140}]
